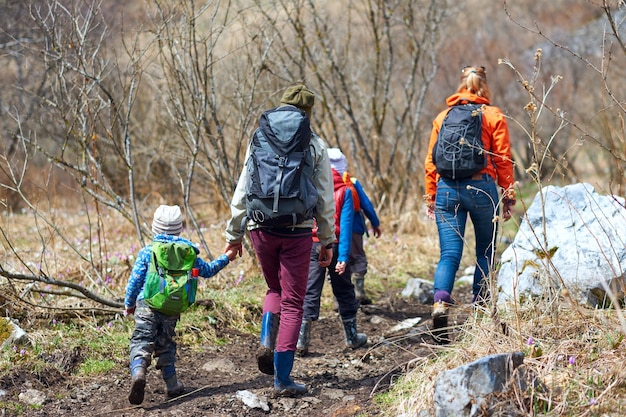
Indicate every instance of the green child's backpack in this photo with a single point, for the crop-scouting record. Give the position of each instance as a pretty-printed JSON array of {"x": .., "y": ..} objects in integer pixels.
[{"x": 170, "y": 287}]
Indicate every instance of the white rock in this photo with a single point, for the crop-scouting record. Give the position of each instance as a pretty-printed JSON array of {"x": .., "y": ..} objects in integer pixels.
[
  {"x": 32, "y": 397},
  {"x": 252, "y": 400},
  {"x": 404, "y": 325},
  {"x": 577, "y": 236}
]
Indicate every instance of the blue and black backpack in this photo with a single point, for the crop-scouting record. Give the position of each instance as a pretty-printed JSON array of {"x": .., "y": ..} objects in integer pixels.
[
  {"x": 458, "y": 152},
  {"x": 280, "y": 190}
]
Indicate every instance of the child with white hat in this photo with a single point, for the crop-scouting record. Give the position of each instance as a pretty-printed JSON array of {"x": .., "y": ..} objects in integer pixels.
[{"x": 154, "y": 331}]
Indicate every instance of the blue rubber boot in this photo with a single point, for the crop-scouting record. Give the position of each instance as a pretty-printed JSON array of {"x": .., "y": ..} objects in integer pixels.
[
  {"x": 265, "y": 353},
  {"x": 138, "y": 373},
  {"x": 283, "y": 384}
]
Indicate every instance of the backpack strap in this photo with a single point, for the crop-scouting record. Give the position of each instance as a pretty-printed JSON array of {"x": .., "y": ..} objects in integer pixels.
[
  {"x": 159, "y": 269},
  {"x": 356, "y": 202},
  {"x": 279, "y": 178}
]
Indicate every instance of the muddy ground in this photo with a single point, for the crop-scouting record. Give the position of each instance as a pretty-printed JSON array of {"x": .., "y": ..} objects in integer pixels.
[{"x": 219, "y": 380}]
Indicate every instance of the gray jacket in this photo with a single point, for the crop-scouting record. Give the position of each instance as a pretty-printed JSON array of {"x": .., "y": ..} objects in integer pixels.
[{"x": 325, "y": 209}]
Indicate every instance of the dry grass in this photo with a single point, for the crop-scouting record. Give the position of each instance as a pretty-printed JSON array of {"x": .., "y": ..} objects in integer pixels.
[{"x": 576, "y": 355}]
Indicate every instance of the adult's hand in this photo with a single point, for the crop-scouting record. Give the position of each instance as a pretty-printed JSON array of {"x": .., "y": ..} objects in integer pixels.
[
  {"x": 340, "y": 268},
  {"x": 235, "y": 247},
  {"x": 377, "y": 231},
  {"x": 129, "y": 311},
  {"x": 507, "y": 210},
  {"x": 326, "y": 256},
  {"x": 430, "y": 211}
]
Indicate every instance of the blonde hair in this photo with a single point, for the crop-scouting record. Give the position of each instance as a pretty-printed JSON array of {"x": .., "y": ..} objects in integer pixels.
[{"x": 474, "y": 80}]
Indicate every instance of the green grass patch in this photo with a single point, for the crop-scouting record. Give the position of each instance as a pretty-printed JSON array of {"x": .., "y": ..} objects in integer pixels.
[
  {"x": 221, "y": 304},
  {"x": 12, "y": 408},
  {"x": 93, "y": 366}
]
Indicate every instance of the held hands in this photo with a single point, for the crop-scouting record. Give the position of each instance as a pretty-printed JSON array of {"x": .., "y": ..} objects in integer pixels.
[
  {"x": 340, "y": 268},
  {"x": 232, "y": 254},
  {"x": 326, "y": 256},
  {"x": 233, "y": 249}
]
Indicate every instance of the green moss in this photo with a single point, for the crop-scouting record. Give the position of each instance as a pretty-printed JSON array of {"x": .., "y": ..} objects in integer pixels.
[{"x": 5, "y": 329}]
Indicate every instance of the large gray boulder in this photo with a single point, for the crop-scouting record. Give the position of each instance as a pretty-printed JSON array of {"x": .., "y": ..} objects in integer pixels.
[
  {"x": 463, "y": 391},
  {"x": 574, "y": 237}
]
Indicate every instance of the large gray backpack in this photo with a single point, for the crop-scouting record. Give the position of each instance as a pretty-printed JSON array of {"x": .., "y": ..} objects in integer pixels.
[{"x": 280, "y": 191}]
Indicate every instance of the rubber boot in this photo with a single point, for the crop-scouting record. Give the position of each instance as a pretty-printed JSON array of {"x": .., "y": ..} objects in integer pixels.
[
  {"x": 353, "y": 338},
  {"x": 304, "y": 338},
  {"x": 359, "y": 289},
  {"x": 283, "y": 384},
  {"x": 265, "y": 353},
  {"x": 173, "y": 385},
  {"x": 138, "y": 373}
]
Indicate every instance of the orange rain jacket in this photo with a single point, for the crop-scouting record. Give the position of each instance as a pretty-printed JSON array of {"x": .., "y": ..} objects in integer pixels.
[{"x": 495, "y": 138}]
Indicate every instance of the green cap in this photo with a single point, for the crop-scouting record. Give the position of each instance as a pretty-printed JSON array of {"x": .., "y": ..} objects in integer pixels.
[{"x": 300, "y": 96}]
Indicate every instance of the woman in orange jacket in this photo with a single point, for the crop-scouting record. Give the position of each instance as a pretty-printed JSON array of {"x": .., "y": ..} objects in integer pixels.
[{"x": 449, "y": 201}]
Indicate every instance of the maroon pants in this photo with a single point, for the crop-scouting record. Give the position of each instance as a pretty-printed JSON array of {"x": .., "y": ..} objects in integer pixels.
[{"x": 284, "y": 260}]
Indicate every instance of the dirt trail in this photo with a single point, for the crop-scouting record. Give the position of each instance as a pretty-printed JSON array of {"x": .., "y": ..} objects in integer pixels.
[{"x": 218, "y": 378}]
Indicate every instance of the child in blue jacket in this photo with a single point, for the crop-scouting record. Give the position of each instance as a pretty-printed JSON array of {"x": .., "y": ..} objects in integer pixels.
[
  {"x": 358, "y": 258},
  {"x": 338, "y": 271},
  {"x": 154, "y": 331}
]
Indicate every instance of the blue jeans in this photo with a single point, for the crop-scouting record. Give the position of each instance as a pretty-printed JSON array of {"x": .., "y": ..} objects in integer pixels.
[{"x": 453, "y": 202}]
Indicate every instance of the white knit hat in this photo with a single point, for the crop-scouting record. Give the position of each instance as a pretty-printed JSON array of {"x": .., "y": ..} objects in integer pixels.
[
  {"x": 168, "y": 220},
  {"x": 337, "y": 160}
]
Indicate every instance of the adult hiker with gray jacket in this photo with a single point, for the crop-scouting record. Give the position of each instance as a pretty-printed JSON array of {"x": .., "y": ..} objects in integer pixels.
[{"x": 283, "y": 251}]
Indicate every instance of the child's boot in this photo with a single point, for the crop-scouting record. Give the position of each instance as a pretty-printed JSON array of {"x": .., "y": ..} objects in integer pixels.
[
  {"x": 353, "y": 338},
  {"x": 173, "y": 385},
  {"x": 283, "y": 384},
  {"x": 265, "y": 353},
  {"x": 138, "y": 374},
  {"x": 359, "y": 289},
  {"x": 304, "y": 338}
]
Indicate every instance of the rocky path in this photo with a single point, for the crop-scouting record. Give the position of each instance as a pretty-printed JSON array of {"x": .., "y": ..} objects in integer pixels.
[{"x": 224, "y": 380}]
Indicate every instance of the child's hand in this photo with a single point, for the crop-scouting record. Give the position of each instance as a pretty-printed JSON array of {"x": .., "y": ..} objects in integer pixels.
[
  {"x": 231, "y": 254},
  {"x": 233, "y": 249}
]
